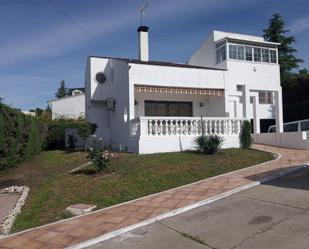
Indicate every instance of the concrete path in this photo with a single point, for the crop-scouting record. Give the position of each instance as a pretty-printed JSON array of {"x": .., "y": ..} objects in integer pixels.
[
  {"x": 73, "y": 231},
  {"x": 272, "y": 216}
]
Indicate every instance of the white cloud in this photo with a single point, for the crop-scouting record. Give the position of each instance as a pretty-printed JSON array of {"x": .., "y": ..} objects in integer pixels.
[{"x": 299, "y": 25}]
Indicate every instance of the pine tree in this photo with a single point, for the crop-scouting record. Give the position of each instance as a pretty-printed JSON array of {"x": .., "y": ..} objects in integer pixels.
[
  {"x": 62, "y": 90},
  {"x": 276, "y": 32},
  {"x": 48, "y": 109}
]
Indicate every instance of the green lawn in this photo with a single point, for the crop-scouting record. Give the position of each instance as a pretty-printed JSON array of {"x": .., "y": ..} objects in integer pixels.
[{"x": 130, "y": 176}]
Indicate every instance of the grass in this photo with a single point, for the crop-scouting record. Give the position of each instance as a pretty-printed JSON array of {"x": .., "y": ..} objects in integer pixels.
[{"x": 129, "y": 176}]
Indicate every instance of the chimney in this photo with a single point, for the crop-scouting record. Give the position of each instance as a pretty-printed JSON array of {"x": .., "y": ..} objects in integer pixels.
[{"x": 143, "y": 43}]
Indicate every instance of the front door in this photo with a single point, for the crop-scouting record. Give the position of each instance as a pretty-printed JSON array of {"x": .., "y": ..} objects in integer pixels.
[{"x": 168, "y": 108}]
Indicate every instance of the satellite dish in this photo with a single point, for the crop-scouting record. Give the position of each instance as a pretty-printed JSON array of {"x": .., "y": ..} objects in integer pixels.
[{"x": 100, "y": 77}]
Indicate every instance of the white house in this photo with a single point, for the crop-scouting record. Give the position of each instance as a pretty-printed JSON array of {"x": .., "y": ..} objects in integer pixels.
[
  {"x": 148, "y": 106},
  {"x": 71, "y": 106}
]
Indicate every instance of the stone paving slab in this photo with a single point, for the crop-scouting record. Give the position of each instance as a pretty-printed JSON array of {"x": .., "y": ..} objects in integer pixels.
[{"x": 73, "y": 231}]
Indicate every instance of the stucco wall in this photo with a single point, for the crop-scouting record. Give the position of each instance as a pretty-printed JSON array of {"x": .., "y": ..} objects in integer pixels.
[
  {"x": 294, "y": 140},
  {"x": 257, "y": 76},
  {"x": 68, "y": 107},
  {"x": 175, "y": 76},
  {"x": 148, "y": 145},
  {"x": 112, "y": 126}
]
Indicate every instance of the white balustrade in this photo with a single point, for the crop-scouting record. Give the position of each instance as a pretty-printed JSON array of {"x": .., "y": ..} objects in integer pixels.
[{"x": 185, "y": 126}]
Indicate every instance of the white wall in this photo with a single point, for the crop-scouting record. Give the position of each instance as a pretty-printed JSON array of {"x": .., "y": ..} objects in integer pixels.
[
  {"x": 293, "y": 140},
  {"x": 68, "y": 107},
  {"x": 205, "y": 55},
  {"x": 175, "y": 76},
  {"x": 257, "y": 76},
  {"x": 148, "y": 145},
  {"x": 111, "y": 124}
]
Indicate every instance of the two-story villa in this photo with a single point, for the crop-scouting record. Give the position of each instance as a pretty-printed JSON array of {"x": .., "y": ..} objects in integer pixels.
[{"x": 148, "y": 106}]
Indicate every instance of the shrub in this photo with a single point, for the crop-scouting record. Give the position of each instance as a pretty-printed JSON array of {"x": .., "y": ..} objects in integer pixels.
[
  {"x": 96, "y": 154},
  {"x": 245, "y": 135},
  {"x": 85, "y": 130},
  {"x": 21, "y": 136},
  {"x": 209, "y": 144}
]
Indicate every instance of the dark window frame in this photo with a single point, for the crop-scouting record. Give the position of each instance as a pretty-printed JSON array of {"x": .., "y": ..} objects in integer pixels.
[{"x": 168, "y": 108}]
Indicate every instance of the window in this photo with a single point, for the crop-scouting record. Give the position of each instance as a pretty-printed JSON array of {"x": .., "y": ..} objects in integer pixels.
[
  {"x": 241, "y": 52},
  {"x": 251, "y": 100},
  {"x": 304, "y": 126},
  {"x": 239, "y": 88},
  {"x": 265, "y": 54},
  {"x": 218, "y": 56},
  {"x": 290, "y": 127},
  {"x": 221, "y": 54},
  {"x": 265, "y": 97},
  {"x": 233, "y": 51},
  {"x": 273, "y": 56},
  {"x": 257, "y": 54},
  {"x": 248, "y": 53},
  {"x": 168, "y": 108}
]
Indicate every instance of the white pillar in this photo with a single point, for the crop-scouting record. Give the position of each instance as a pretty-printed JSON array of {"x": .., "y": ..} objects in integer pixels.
[
  {"x": 246, "y": 101},
  {"x": 256, "y": 118},
  {"x": 279, "y": 111}
]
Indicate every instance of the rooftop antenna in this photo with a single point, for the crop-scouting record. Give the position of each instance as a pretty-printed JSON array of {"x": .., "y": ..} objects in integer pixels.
[{"x": 141, "y": 9}]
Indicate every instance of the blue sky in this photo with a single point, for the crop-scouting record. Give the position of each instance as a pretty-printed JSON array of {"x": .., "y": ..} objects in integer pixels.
[{"x": 39, "y": 46}]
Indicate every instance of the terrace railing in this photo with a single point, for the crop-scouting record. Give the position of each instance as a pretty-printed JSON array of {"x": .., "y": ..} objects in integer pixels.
[{"x": 184, "y": 126}]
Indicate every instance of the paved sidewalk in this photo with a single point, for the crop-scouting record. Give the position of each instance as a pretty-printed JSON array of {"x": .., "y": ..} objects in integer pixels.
[
  {"x": 73, "y": 231},
  {"x": 272, "y": 215}
]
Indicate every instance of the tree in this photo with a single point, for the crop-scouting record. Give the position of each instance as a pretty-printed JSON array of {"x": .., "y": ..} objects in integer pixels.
[
  {"x": 38, "y": 112},
  {"x": 62, "y": 90},
  {"x": 303, "y": 72},
  {"x": 276, "y": 32},
  {"x": 84, "y": 131},
  {"x": 48, "y": 109},
  {"x": 245, "y": 135}
]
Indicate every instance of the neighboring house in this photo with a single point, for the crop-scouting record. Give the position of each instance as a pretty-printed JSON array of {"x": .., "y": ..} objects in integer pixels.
[
  {"x": 71, "y": 106},
  {"x": 29, "y": 113},
  {"x": 149, "y": 106}
]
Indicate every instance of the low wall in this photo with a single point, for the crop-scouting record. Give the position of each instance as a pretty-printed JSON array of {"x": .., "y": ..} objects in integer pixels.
[
  {"x": 293, "y": 140},
  {"x": 157, "y": 144}
]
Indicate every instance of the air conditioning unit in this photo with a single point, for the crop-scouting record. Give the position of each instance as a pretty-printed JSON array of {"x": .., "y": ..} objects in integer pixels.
[{"x": 110, "y": 104}]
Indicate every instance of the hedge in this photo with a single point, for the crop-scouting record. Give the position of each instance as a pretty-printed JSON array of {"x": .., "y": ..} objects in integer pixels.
[
  {"x": 21, "y": 136},
  {"x": 56, "y": 131}
]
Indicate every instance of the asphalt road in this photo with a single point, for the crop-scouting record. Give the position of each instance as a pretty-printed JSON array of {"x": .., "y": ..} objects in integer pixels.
[{"x": 269, "y": 216}]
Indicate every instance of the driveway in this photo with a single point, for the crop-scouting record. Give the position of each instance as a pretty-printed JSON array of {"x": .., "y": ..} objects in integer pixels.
[{"x": 269, "y": 216}]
